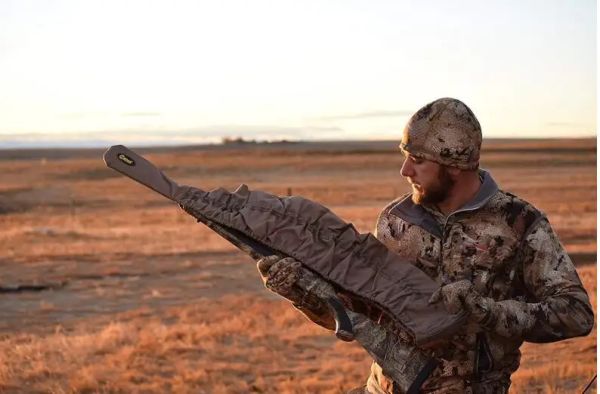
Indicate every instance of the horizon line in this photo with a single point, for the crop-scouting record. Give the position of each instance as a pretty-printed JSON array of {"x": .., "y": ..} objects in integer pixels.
[{"x": 236, "y": 142}]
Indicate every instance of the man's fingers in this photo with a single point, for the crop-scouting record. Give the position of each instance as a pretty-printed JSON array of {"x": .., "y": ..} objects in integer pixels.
[
  {"x": 282, "y": 276},
  {"x": 286, "y": 264},
  {"x": 265, "y": 264},
  {"x": 282, "y": 282},
  {"x": 454, "y": 295}
]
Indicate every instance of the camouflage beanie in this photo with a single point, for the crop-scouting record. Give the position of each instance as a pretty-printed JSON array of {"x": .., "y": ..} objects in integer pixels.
[{"x": 445, "y": 131}]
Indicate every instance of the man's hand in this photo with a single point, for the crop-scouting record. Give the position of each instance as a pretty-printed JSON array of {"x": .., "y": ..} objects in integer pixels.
[
  {"x": 459, "y": 296},
  {"x": 280, "y": 275}
]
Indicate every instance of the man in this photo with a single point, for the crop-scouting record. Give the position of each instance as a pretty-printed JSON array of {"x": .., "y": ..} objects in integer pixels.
[{"x": 493, "y": 254}]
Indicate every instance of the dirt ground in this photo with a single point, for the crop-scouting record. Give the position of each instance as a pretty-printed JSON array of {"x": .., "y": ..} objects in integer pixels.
[{"x": 106, "y": 286}]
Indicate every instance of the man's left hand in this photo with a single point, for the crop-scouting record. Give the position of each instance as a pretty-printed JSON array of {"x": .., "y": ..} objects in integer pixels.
[{"x": 459, "y": 296}]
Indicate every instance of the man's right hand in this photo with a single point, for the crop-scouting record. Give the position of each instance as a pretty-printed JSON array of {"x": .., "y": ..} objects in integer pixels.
[{"x": 280, "y": 274}]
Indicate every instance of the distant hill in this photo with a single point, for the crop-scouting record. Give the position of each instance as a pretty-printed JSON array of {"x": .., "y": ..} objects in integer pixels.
[{"x": 570, "y": 145}]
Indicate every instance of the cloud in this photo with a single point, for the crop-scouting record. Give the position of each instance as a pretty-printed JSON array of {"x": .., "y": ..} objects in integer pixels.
[
  {"x": 83, "y": 114},
  {"x": 565, "y": 124},
  {"x": 367, "y": 115},
  {"x": 88, "y": 114},
  {"x": 140, "y": 114}
]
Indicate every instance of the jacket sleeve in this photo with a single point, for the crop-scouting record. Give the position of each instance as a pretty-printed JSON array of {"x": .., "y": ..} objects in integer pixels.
[
  {"x": 556, "y": 307},
  {"x": 316, "y": 311},
  {"x": 383, "y": 220}
]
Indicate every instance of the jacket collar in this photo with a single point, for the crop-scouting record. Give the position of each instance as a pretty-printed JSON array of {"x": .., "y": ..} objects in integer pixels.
[
  {"x": 416, "y": 214},
  {"x": 486, "y": 191}
]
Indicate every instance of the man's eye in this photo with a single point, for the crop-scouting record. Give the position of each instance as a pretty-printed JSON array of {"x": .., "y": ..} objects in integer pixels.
[{"x": 417, "y": 161}]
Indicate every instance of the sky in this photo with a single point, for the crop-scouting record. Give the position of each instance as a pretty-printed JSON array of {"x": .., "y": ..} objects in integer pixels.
[{"x": 176, "y": 72}]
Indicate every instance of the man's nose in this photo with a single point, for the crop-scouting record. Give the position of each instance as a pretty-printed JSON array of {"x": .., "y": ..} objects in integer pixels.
[{"x": 407, "y": 169}]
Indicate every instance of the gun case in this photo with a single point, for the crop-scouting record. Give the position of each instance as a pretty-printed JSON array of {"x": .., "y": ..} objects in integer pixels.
[{"x": 336, "y": 257}]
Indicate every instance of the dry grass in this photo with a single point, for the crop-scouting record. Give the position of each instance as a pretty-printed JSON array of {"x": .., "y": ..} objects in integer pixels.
[
  {"x": 155, "y": 303},
  {"x": 234, "y": 344}
]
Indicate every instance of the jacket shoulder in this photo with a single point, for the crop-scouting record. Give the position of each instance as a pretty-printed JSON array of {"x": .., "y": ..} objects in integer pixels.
[
  {"x": 387, "y": 210},
  {"x": 520, "y": 214}
]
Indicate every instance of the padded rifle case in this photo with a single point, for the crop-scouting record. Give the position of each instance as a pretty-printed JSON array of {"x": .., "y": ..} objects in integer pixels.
[{"x": 335, "y": 257}]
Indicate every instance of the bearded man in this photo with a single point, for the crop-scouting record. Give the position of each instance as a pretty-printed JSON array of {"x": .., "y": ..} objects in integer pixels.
[{"x": 494, "y": 255}]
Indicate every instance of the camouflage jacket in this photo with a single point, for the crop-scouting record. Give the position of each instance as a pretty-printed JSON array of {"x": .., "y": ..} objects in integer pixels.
[{"x": 514, "y": 259}]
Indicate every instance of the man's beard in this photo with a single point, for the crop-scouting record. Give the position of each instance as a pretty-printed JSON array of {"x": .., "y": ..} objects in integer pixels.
[{"x": 436, "y": 193}]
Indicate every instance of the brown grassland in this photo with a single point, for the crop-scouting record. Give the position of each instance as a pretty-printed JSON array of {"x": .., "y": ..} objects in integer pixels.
[{"x": 143, "y": 299}]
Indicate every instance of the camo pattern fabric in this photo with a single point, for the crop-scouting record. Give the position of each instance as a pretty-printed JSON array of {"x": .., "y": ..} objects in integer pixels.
[
  {"x": 282, "y": 276},
  {"x": 445, "y": 131},
  {"x": 526, "y": 288}
]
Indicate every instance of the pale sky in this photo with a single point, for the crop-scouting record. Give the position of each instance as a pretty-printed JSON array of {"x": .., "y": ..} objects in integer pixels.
[{"x": 178, "y": 71}]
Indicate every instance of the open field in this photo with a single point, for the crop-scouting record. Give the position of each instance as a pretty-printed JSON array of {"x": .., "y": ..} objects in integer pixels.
[{"x": 143, "y": 299}]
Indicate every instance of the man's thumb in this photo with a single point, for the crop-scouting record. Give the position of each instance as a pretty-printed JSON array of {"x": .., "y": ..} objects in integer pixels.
[
  {"x": 436, "y": 296},
  {"x": 266, "y": 263}
]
